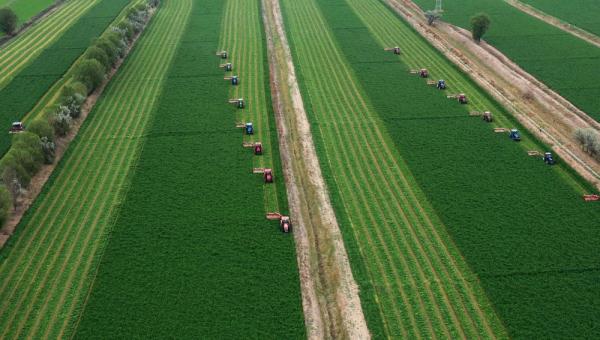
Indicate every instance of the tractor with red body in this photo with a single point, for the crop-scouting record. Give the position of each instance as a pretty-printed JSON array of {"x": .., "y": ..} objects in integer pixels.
[
  {"x": 16, "y": 127},
  {"x": 285, "y": 223}
]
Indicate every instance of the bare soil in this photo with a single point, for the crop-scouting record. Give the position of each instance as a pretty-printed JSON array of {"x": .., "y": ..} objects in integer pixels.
[
  {"x": 549, "y": 116},
  {"x": 39, "y": 180},
  {"x": 565, "y": 26},
  {"x": 330, "y": 297}
]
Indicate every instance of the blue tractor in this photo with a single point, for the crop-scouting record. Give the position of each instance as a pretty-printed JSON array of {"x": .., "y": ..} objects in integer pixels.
[
  {"x": 548, "y": 159},
  {"x": 514, "y": 135},
  {"x": 234, "y": 80},
  {"x": 228, "y": 67},
  {"x": 441, "y": 84},
  {"x": 249, "y": 129}
]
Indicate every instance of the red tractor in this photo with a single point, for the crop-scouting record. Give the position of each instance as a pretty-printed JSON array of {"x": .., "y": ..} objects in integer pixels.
[
  {"x": 423, "y": 73},
  {"x": 268, "y": 175},
  {"x": 462, "y": 98},
  {"x": 284, "y": 221},
  {"x": 591, "y": 198},
  {"x": 258, "y": 149}
]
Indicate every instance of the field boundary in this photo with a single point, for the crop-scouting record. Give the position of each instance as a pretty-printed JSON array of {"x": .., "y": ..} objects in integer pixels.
[
  {"x": 556, "y": 22},
  {"x": 329, "y": 292},
  {"x": 546, "y": 114}
]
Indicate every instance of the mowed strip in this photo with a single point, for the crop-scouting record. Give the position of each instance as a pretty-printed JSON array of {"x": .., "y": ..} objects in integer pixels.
[
  {"x": 242, "y": 36},
  {"x": 417, "y": 278},
  {"x": 26, "y": 47},
  {"x": 49, "y": 265}
]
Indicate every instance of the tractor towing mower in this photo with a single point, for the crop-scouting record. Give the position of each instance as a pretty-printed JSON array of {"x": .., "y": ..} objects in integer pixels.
[
  {"x": 285, "y": 223},
  {"x": 267, "y": 174},
  {"x": 395, "y": 49},
  {"x": 257, "y": 146},
  {"x": 234, "y": 80},
  {"x": 238, "y": 102}
]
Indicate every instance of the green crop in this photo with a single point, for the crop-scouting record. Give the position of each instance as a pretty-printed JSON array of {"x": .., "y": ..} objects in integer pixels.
[
  {"x": 581, "y": 13},
  {"x": 562, "y": 61},
  {"x": 191, "y": 252},
  {"x": 25, "y": 9},
  {"x": 510, "y": 215},
  {"x": 58, "y": 244}
]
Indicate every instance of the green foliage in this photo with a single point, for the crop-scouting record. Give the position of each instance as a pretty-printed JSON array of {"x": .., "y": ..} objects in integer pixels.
[
  {"x": 100, "y": 55},
  {"x": 480, "y": 23},
  {"x": 111, "y": 50},
  {"x": 8, "y": 20},
  {"x": 41, "y": 127},
  {"x": 62, "y": 123},
  {"x": 5, "y": 203},
  {"x": 90, "y": 72},
  {"x": 73, "y": 88},
  {"x": 48, "y": 149}
]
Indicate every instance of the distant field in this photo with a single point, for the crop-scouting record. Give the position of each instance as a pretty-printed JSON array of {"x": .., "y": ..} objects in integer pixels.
[
  {"x": 25, "y": 9},
  {"x": 562, "y": 61},
  {"x": 581, "y": 13}
]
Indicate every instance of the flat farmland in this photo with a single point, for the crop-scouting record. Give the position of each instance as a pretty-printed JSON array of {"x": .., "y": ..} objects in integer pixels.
[
  {"x": 581, "y": 13},
  {"x": 58, "y": 244},
  {"x": 25, "y": 9},
  {"x": 560, "y": 60},
  {"x": 191, "y": 251}
]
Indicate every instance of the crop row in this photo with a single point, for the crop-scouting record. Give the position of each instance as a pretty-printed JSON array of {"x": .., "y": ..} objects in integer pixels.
[
  {"x": 413, "y": 281},
  {"x": 191, "y": 252},
  {"x": 562, "y": 61},
  {"x": 581, "y": 13},
  {"x": 47, "y": 268},
  {"x": 21, "y": 94},
  {"x": 511, "y": 216}
]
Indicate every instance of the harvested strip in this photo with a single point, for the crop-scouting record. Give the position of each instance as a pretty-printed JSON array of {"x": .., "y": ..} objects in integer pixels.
[{"x": 62, "y": 236}]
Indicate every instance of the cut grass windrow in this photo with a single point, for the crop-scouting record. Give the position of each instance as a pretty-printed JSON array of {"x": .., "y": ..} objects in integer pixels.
[
  {"x": 15, "y": 55},
  {"x": 48, "y": 266},
  {"x": 414, "y": 274}
]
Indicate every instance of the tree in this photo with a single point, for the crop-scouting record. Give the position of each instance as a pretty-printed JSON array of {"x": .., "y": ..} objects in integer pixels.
[
  {"x": 5, "y": 203},
  {"x": 90, "y": 72},
  {"x": 432, "y": 16},
  {"x": 13, "y": 185},
  {"x": 479, "y": 25},
  {"x": 8, "y": 20}
]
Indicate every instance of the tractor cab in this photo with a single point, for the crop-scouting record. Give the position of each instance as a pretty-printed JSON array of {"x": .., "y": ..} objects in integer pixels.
[
  {"x": 258, "y": 149},
  {"x": 441, "y": 84},
  {"x": 240, "y": 103},
  {"x": 249, "y": 128},
  {"x": 548, "y": 159},
  {"x": 487, "y": 116},
  {"x": 514, "y": 135},
  {"x": 423, "y": 73},
  {"x": 285, "y": 224},
  {"x": 224, "y": 55},
  {"x": 397, "y": 50},
  {"x": 268, "y": 176},
  {"x": 234, "y": 80},
  {"x": 462, "y": 98},
  {"x": 17, "y": 127},
  {"x": 228, "y": 67}
]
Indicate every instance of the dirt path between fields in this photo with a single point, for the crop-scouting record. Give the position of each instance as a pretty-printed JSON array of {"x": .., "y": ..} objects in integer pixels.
[
  {"x": 39, "y": 180},
  {"x": 556, "y": 22},
  {"x": 330, "y": 297},
  {"x": 545, "y": 113}
]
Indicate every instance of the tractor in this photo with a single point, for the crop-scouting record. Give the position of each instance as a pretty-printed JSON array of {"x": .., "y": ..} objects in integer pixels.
[
  {"x": 487, "y": 117},
  {"x": 234, "y": 80},
  {"x": 462, "y": 98},
  {"x": 423, "y": 73},
  {"x": 548, "y": 159},
  {"x": 591, "y": 198},
  {"x": 249, "y": 128},
  {"x": 238, "y": 102},
  {"x": 223, "y": 54},
  {"x": 267, "y": 174},
  {"x": 256, "y": 146},
  {"x": 227, "y": 67},
  {"x": 514, "y": 135},
  {"x": 285, "y": 222},
  {"x": 441, "y": 84},
  {"x": 396, "y": 50},
  {"x": 16, "y": 127}
]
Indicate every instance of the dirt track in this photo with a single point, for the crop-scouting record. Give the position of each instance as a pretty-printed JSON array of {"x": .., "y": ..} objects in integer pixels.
[
  {"x": 545, "y": 113},
  {"x": 330, "y": 298}
]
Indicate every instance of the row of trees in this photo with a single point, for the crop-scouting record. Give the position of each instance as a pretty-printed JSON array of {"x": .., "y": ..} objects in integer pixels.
[
  {"x": 589, "y": 140},
  {"x": 35, "y": 146}
]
